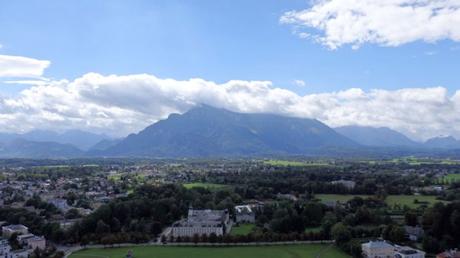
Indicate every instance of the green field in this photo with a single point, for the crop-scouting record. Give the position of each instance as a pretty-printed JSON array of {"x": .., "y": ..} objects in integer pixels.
[
  {"x": 408, "y": 200},
  {"x": 209, "y": 186},
  {"x": 242, "y": 229},
  {"x": 338, "y": 197},
  {"x": 298, "y": 251},
  {"x": 291, "y": 163},
  {"x": 450, "y": 178},
  {"x": 391, "y": 200}
]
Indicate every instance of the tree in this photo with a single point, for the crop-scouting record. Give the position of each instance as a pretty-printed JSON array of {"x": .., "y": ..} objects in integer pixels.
[
  {"x": 340, "y": 233},
  {"x": 411, "y": 218},
  {"x": 102, "y": 228},
  {"x": 430, "y": 244}
]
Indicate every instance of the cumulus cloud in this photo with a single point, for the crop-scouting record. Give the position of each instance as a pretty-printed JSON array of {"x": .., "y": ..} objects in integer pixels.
[
  {"x": 24, "y": 67},
  {"x": 119, "y": 105},
  {"x": 387, "y": 23}
]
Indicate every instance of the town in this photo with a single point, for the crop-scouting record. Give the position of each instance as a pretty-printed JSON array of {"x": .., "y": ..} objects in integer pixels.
[{"x": 366, "y": 208}]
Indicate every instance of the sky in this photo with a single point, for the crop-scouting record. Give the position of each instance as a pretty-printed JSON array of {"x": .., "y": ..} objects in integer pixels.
[{"x": 115, "y": 67}]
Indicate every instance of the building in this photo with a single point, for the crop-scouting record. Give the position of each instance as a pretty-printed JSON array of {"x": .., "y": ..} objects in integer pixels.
[
  {"x": 408, "y": 252},
  {"x": 5, "y": 248},
  {"x": 347, "y": 183},
  {"x": 383, "y": 249},
  {"x": 245, "y": 214},
  {"x": 32, "y": 241},
  {"x": 449, "y": 254},
  {"x": 8, "y": 231},
  {"x": 60, "y": 204},
  {"x": 6, "y": 252},
  {"x": 414, "y": 233},
  {"x": 202, "y": 222},
  {"x": 378, "y": 249}
]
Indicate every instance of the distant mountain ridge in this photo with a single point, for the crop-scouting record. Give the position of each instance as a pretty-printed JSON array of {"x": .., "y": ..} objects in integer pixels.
[
  {"x": 208, "y": 131},
  {"x": 20, "y": 148},
  {"x": 376, "y": 136},
  {"x": 446, "y": 142},
  {"x": 80, "y": 139}
]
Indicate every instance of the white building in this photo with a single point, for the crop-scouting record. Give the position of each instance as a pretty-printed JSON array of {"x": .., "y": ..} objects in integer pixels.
[
  {"x": 408, "y": 252},
  {"x": 32, "y": 241},
  {"x": 202, "y": 222},
  {"x": 347, "y": 183},
  {"x": 60, "y": 204},
  {"x": 8, "y": 231},
  {"x": 378, "y": 249},
  {"x": 383, "y": 249},
  {"x": 245, "y": 214}
]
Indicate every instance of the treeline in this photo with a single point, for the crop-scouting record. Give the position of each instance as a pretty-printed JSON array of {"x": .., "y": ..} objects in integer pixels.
[
  {"x": 443, "y": 227},
  {"x": 144, "y": 214}
]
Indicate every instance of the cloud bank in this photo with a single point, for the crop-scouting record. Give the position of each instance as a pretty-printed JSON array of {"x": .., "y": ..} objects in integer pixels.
[
  {"x": 24, "y": 67},
  {"x": 120, "y": 105},
  {"x": 335, "y": 23}
]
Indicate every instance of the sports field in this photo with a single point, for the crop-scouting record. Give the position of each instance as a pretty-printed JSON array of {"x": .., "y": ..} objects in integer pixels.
[{"x": 294, "y": 251}]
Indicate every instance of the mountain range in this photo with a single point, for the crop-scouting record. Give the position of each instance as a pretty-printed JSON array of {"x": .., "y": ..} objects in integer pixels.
[
  {"x": 205, "y": 131},
  {"x": 208, "y": 131}
]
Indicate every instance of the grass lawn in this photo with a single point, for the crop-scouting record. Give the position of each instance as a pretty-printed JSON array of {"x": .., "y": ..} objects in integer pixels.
[
  {"x": 408, "y": 200},
  {"x": 242, "y": 229},
  {"x": 297, "y": 251},
  {"x": 338, "y": 197},
  {"x": 391, "y": 200},
  {"x": 205, "y": 185}
]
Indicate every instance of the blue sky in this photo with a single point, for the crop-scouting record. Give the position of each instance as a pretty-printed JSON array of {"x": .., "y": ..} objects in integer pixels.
[
  {"x": 343, "y": 62},
  {"x": 216, "y": 40}
]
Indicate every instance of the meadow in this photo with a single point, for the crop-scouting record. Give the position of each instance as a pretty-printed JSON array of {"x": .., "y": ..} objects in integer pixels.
[
  {"x": 391, "y": 200},
  {"x": 293, "y": 251},
  {"x": 450, "y": 178}
]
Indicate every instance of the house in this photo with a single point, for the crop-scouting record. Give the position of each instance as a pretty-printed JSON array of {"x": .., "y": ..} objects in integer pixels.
[
  {"x": 245, "y": 214},
  {"x": 408, "y": 252},
  {"x": 347, "y": 183},
  {"x": 202, "y": 222},
  {"x": 378, "y": 249},
  {"x": 60, "y": 204},
  {"x": 414, "y": 233},
  {"x": 8, "y": 231},
  {"x": 449, "y": 254}
]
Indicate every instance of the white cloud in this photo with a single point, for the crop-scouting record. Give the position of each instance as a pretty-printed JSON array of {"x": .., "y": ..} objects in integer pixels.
[
  {"x": 24, "y": 67},
  {"x": 384, "y": 22},
  {"x": 119, "y": 105},
  {"x": 299, "y": 83}
]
